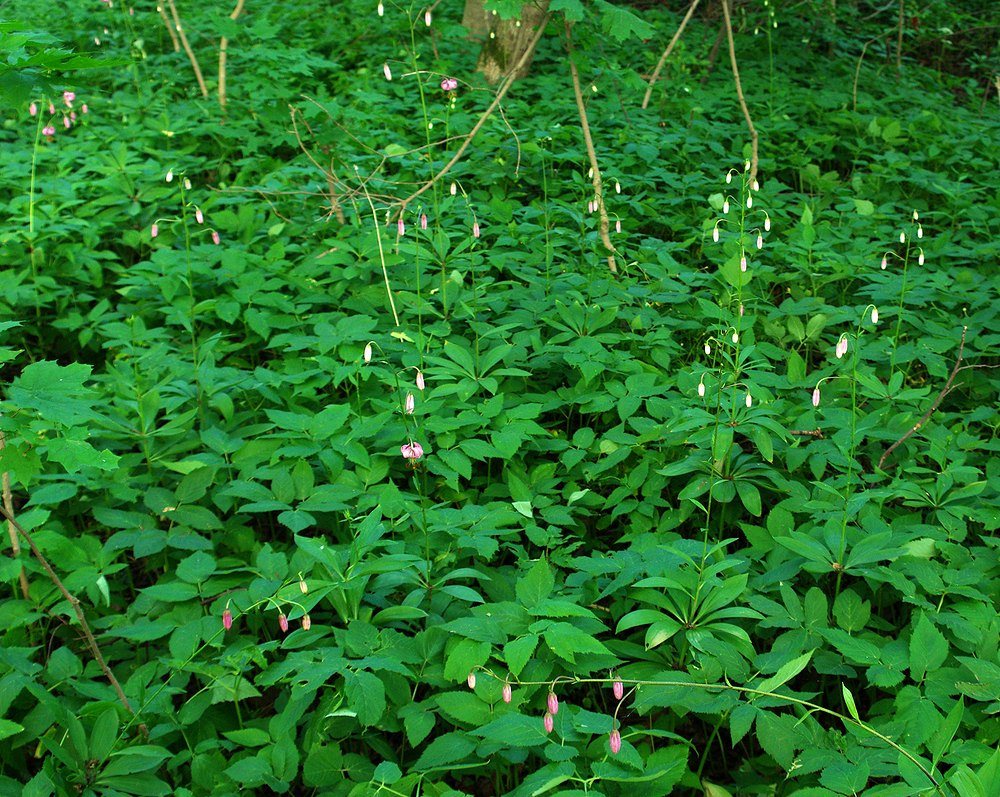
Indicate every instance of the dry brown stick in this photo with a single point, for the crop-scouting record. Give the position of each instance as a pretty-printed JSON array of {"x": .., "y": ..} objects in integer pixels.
[
  {"x": 80, "y": 616},
  {"x": 170, "y": 28},
  {"x": 187, "y": 49},
  {"x": 899, "y": 36},
  {"x": 666, "y": 53},
  {"x": 501, "y": 93},
  {"x": 223, "y": 48},
  {"x": 817, "y": 433},
  {"x": 739, "y": 90},
  {"x": 595, "y": 169},
  {"x": 15, "y": 542},
  {"x": 934, "y": 406}
]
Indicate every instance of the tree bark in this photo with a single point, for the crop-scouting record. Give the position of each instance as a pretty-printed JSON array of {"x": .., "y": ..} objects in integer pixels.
[{"x": 505, "y": 41}]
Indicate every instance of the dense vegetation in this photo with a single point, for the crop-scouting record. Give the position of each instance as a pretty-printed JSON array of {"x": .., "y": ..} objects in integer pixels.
[{"x": 360, "y": 496}]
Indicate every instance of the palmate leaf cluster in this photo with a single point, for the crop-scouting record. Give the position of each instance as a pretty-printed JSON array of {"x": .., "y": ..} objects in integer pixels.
[{"x": 192, "y": 429}]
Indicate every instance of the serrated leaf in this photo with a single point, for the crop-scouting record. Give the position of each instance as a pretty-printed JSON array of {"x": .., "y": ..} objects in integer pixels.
[
  {"x": 517, "y": 652},
  {"x": 535, "y": 585},
  {"x": 444, "y": 750},
  {"x": 573, "y": 9},
  {"x": 852, "y": 707},
  {"x": 366, "y": 696},
  {"x": 622, "y": 24},
  {"x": 928, "y": 648},
  {"x": 785, "y": 672}
]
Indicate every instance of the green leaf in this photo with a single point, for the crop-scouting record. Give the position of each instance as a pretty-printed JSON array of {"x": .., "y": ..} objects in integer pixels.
[
  {"x": 573, "y": 9},
  {"x": 196, "y": 568},
  {"x": 365, "y": 696},
  {"x": 740, "y": 720},
  {"x": 852, "y": 707},
  {"x": 55, "y": 392},
  {"x": 785, "y": 672},
  {"x": 846, "y": 777},
  {"x": 76, "y": 454},
  {"x": 535, "y": 585},
  {"x": 104, "y": 734},
  {"x": 250, "y": 772},
  {"x": 518, "y": 651},
  {"x": 928, "y": 648},
  {"x": 622, "y": 24},
  {"x": 444, "y": 750}
]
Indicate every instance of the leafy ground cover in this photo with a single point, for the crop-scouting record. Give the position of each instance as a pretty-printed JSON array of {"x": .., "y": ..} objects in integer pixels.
[{"x": 362, "y": 498}]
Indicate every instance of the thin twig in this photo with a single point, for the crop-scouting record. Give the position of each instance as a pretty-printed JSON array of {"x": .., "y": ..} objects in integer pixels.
[
  {"x": 817, "y": 433},
  {"x": 15, "y": 542},
  {"x": 77, "y": 608},
  {"x": 666, "y": 53},
  {"x": 934, "y": 406},
  {"x": 170, "y": 28},
  {"x": 223, "y": 48},
  {"x": 595, "y": 169},
  {"x": 508, "y": 81},
  {"x": 899, "y": 36},
  {"x": 187, "y": 49},
  {"x": 739, "y": 90}
]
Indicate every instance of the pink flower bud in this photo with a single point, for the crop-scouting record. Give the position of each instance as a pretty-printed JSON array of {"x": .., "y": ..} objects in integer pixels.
[
  {"x": 816, "y": 396},
  {"x": 615, "y": 741},
  {"x": 367, "y": 353},
  {"x": 411, "y": 450},
  {"x": 84, "y": 108},
  {"x": 283, "y": 622},
  {"x": 420, "y": 380},
  {"x": 741, "y": 309},
  {"x": 590, "y": 206},
  {"x": 618, "y": 688},
  {"x": 199, "y": 216},
  {"x": 475, "y": 229},
  {"x": 471, "y": 680},
  {"x": 386, "y": 71},
  {"x": 409, "y": 405},
  {"x": 67, "y": 122},
  {"x": 52, "y": 109},
  {"x": 72, "y": 116},
  {"x": 507, "y": 693},
  {"x": 68, "y": 97},
  {"x": 548, "y": 722},
  {"x": 760, "y": 241},
  {"x": 552, "y": 703},
  {"x": 743, "y": 263},
  {"x": 885, "y": 262},
  {"x": 215, "y": 237},
  {"x": 423, "y": 221},
  {"x": 227, "y": 619},
  {"x": 618, "y": 225},
  {"x": 306, "y": 622},
  {"x": 33, "y": 109},
  {"x": 400, "y": 228},
  {"x": 154, "y": 230}
]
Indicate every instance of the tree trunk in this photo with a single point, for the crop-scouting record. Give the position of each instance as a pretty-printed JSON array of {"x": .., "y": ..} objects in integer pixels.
[{"x": 504, "y": 40}]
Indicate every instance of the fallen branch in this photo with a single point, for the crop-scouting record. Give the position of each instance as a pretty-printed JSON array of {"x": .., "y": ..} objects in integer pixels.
[
  {"x": 223, "y": 48},
  {"x": 816, "y": 433},
  {"x": 80, "y": 616},
  {"x": 595, "y": 170},
  {"x": 666, "y": 53},
  {"x": 727, "y": 21},
  {"x": 934, "y": 406},
  {"x": 501, "y": 93}
]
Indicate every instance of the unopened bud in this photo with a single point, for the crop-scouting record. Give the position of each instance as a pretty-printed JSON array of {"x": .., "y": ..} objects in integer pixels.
[
  {"x": 749, "y": 201},
  {"x": 885, "y": 262},
  {"x": 615, "y": 741},
  {"x": 303, "y": 587},
  {"x": 453, "y": 189},
  {"x": 552, "y": 703},
  {"x": 715, "y": 234},
  {"x": 283, "y": 622},
  {"x": 548, "y": 722},
  {"x": 920, "y": 258},
  {"x": 154, "y": 230},
  {"x": 410, "y": 404},
  {"x": 920, "y": 231},
  {"x": 227, "y": 619},
  {"x": 760, "y": 241},
  {"x": 386, "y": 71},
  {"x": 423, "y": 221},
  {"x": 708, "y": 348},
  {"x": 306, "y": 622},
  {"x": 420, "y": 379},
  {"x": 874, "y": 315},
  {"x": 816, "y": 396},
  {"x": 367, "y": 353},
  {"x": 755, "y": 186},
  {"x": 701, "y": 393},
  {"x": 725, "y": 206},
  {"x": 170, "y": 176},
  {"x": 749, "y": 400},
  {"x": 743, "y": 263},
  {"x": 618, "y": 187},
  {"x": 381, "y": 9},
  {"x": 427, "y": 17},
  {"x": 618, "y": 225},
  {"x": 471, "y": 680},
  {"x": 507, "y": 693},
  {"x": 618, "y": 688},
  {"x": 902, "y": 237},
  {"x": 767, "y": 224}
]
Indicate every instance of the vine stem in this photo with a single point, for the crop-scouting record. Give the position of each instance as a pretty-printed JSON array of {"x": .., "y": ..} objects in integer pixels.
[
  {"x": 666, "y": 53},
  {"x": 95, "y": 649}
]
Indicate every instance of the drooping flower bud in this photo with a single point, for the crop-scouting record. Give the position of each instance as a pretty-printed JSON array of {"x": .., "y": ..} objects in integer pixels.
[
  {"x": 306, "y": 622},
  {"x": 760, "y": 241},
  {"x": 874, "y": 315},
  {"x": 729, "y": 177},
  {"x": 618, "y": 689},
  {"x": 885, "y": 262},
  {"x": 816, "y": 396},
  {"x": 420, "y": 380},
  {"x": 409, "y": 405},
  {"x": 380, "y": 9},
  {"x": 215, "y": 237},
  {"x": 743, "y": 263},
  {"x": 367, "y": 355},
  {"x": 767, "y": 224},
  {"x": 154, "y": 230},
  {"x": 749, "y": 201},
  {"x": 725, "y": 206},
  {"x": 423, "y": 221},
  {"x": 736, "y": 337},
  {"x": 708, "y": 348},
  {"x": 471, "y": 680},
  {"x": 548, "y": 722},
  {"x": 920, "y": 231},
  {"x": 715, "y": 234},
  {"x": 170, "y": 176},
  {"x": 618, "y": 225},
  {"x": 453, "y": 189},
  {"x": 615, "y": 741},
  {"x": 920, "y": 258},
  {"x": 475, "y": 229},
  {"x": 386, "y": 71},
  {"x": 227, "y": 619},
  {"x": 187, "y": 184},
  {"x": 427, "y": 18},
  {"x": 701, "y": 394},
  {"x": 33, "y": 109},
  {"x": 400, "y": 227},
  {"x": 902, "y": 237},
  {"x": 749, "y": 401},
  {"x": 552, "y": 703},
  {"x": 303, "y": 586},
  {"x": 283, "y": 622},
  {"x": 507, "y": 692},
  {"x": 199, "y": 216},
  {"x": 618, "y": 187}
]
